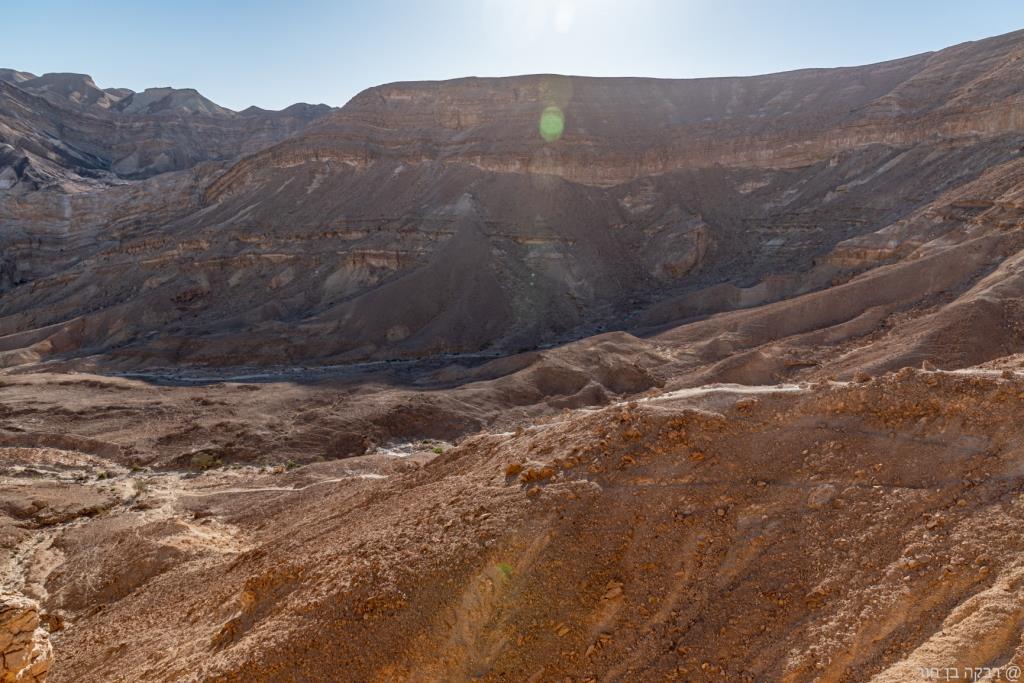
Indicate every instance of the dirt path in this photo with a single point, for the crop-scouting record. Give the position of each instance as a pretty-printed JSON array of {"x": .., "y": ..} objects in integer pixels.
[
  {"x": 280, "y": 489},
  {"x": 16, "y": 573}
]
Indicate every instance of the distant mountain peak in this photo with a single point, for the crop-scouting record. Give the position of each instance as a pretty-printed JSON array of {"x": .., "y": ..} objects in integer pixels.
[
  {"x": 63, "y": 88},
  {"x": 166, "y": 100}
]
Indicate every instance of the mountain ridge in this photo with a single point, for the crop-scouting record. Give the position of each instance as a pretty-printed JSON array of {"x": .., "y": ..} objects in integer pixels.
[
  {"x": 84, "y": 133},
  {"x": 30, "y": 81},
  {"x": 657, "y": 201}
]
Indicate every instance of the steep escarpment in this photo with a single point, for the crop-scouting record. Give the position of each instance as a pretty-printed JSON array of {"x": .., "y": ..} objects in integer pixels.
[
  {"x": 616, "y": 129},
  {"x": 502, "y": 214}
]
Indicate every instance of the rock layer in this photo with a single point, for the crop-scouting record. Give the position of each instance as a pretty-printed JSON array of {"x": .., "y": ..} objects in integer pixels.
[
  {"x": 25, "y": 650},
  {"x": 429, "y": 218}
]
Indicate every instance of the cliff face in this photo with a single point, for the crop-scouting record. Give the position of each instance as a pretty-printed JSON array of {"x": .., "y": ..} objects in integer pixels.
[
  {"x": 618, "y": 129},
  {"x": 451, "y": 217}
]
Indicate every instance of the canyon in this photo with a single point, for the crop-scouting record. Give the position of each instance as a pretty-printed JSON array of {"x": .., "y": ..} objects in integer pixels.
[{"x": 539, "y": 378}]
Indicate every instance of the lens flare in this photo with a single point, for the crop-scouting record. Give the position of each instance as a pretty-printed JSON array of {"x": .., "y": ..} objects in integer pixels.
[{"x": 552, "y": 123}]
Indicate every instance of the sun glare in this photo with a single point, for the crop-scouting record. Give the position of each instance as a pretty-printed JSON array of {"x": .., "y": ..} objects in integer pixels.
[
  {"x": 532, "y": 19},
  {"x": 564, "y": 14}
]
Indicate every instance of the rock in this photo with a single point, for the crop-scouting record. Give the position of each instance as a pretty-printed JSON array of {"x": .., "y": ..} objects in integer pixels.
[
  {"x": 820, "y": 496},
  {"x": 612, "y": 590},
  {"x": 536, "y": 474},
  {"x": 25, "y": 650}
]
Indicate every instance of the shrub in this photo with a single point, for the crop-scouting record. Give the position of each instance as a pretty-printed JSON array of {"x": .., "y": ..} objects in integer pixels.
[{"x": 205, "y": 461}]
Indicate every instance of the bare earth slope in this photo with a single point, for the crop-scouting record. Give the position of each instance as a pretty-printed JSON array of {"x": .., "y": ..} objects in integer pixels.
[{"x": 816, "y": 532}]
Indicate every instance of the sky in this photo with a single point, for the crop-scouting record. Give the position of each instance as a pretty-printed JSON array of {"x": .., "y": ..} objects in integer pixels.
[{"x": 272, "y": 54}]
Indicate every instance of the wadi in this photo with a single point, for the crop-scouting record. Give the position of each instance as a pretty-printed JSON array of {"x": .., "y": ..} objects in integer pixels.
[{"x": 532, "y": 378}]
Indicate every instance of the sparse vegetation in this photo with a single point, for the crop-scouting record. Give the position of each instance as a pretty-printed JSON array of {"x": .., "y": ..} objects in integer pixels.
[{"x": 205, "y": 461}]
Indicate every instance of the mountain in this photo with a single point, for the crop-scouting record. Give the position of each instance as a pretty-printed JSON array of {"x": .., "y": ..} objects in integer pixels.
[
  {"x": 429, "y": 218},
  {"x": 60, "y": 129},
  {"x": 69, "y": 90}
]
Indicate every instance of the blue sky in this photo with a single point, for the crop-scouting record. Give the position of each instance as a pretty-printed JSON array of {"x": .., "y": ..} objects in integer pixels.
[{"x": 274, "y": 53}]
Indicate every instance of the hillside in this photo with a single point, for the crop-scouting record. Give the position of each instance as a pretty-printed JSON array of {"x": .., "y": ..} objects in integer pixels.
[{"x": 427, "y": 218}]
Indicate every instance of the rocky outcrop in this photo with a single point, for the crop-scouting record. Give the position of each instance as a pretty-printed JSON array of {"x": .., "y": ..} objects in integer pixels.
[{"x": 25, "y": 651}]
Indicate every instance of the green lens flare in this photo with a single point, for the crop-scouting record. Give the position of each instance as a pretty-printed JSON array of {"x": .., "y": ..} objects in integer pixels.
[{"x": 552, "y": 123}]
